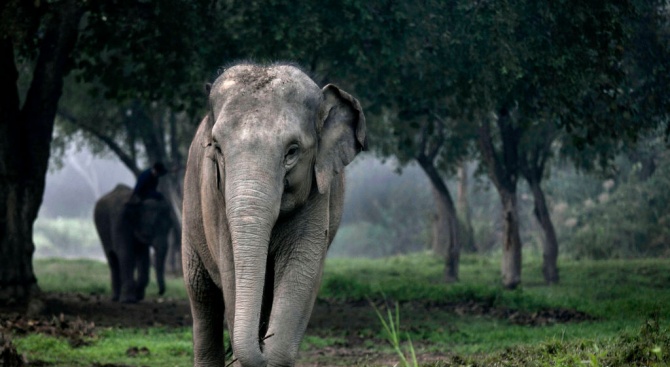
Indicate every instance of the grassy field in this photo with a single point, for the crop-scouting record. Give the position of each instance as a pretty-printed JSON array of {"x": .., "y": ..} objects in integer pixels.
[{"x": 624, "y": 305}]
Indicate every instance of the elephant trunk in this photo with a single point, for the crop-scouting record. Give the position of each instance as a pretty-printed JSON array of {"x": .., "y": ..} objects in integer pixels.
[{"x": 253, "y": 200}]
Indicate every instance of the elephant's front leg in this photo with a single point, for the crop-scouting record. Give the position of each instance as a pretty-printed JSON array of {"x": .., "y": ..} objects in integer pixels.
[
  {"x": 113, "y": 262},
  {"x": 143, "y": 263},
  {"x": 207, "y": 309},
  {"x": 298, "y": 277},
  {"x": 127, "y": 262},
  {"x": 160, "y": 252}
]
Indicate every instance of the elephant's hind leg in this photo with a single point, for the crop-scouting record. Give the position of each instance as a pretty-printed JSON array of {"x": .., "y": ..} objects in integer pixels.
[{"x": 208, "y": 310}]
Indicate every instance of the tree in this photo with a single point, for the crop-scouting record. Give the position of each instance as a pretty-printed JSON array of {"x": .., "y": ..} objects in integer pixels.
[
  {"x": 507, "y": 76},
  {"x": 49, "y": 32},
  {"x": 396, "y": 62},
  {"x": 545, "y": 67},
  {"x": 115, "y": 44},
  {"x": 154, "y": 117}
]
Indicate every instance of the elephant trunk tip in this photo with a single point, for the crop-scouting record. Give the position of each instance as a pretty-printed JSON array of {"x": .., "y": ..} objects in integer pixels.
[{"x": 250, "y": 355}]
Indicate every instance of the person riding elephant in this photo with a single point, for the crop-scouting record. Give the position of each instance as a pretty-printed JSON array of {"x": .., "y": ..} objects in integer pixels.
[
  {"x": 263, "y": 197},
  {"x": 127, "y": 231},
  {"x": 147, "y": 183}
]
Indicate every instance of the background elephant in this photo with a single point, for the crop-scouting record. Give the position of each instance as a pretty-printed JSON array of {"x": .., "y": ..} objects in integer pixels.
[
  {"x": 263, "y": 196},
  {"x": 126, "y": 233}
]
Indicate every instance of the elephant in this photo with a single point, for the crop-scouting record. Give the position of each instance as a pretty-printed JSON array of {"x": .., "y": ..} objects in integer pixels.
[
  {"x": 127, "y": 228},
  {"x": 263, "y": 197}
]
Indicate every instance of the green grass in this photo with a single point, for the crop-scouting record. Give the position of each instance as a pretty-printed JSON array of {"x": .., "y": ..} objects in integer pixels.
[
  {"x": 620, "y": 294},
  {"x": 166, "y": 347},
  {"x": 93, "y": 277},
  {"x": 623, "y": 296}
]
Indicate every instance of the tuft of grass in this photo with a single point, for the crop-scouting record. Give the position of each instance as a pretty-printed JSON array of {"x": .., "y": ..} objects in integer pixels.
[{"x": 392, "y": 328}]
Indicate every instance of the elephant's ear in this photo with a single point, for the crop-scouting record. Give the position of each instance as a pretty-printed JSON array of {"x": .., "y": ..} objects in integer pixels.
[
  {"x": 341, "y": 128},
  {"x": 205, "y": 129}
]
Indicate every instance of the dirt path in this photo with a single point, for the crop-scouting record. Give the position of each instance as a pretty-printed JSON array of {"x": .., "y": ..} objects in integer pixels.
[{"x": 75, "y": 316}]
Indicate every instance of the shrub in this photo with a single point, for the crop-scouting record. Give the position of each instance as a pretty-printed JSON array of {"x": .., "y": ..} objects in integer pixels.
[{"x": 633, "y": 221}]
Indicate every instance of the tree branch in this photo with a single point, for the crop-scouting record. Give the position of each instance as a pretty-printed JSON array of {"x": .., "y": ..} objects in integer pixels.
[
  {"x": 126, "y": 158},
  {"x": 491, "y": 160}
]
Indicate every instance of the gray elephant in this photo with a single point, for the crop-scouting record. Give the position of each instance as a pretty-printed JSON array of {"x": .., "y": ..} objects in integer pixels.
[
  {"x": 127, "y": 228},
  {"x": 263, "y": 196}
]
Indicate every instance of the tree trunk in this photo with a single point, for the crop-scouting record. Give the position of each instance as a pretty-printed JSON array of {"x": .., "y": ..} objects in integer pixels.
[
  {"x": 511, "y": 261},
  {"x": 17, "y": 280},
  {"x": 173, "y": 189},
  {"x": 440, "y": 225},
  {"x": 25, "y": 138},
  {"x": 550, "y": 253},
  {"x": 503, "y": 170},
  {"x": 463, "y": 208},
  {"x": 446, "y": 229}
]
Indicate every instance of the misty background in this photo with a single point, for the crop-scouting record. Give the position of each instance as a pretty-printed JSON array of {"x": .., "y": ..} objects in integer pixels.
[
  {"x": 64, "y": 227},
  {"x": 390, "y": 209}
]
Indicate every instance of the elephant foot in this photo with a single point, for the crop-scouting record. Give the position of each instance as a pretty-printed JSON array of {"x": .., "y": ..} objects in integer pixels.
[
  {"x": 139, "y": 297},
  {"x": 129, "y": 300}
]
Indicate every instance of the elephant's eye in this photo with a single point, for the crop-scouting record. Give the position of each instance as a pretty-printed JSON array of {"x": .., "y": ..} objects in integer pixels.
[{"x": 291, "y": 154}]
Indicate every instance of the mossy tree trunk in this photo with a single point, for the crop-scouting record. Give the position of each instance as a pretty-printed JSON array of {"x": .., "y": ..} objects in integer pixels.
[
  {"x": 463, "y": 209},
  {"x": 536, "y": 155},
  {"x": 25, "y": 138},
  {"x": 502, "y": 165},
  {"x": 446, "y": 238}
]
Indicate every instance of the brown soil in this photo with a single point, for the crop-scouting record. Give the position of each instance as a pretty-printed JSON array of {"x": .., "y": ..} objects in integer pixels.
[{"x": 76, "y": 316}]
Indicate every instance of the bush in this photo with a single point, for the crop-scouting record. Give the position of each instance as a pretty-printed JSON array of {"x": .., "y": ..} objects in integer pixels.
[{"x": 633, "y": 221}]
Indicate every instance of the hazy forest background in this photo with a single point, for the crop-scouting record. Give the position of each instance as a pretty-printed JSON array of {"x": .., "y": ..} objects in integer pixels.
[
  {"x": 514, "y": 125},
  {"x": 505, "y": 133}
]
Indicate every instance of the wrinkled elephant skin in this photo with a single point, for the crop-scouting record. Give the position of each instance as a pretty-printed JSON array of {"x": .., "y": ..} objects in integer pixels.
[
  {"x": 127, "y": 232},
  {"x": 263, "y": 196}
]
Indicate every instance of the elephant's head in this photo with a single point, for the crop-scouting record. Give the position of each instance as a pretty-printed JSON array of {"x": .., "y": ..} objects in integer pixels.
[{"x": 277, "y": 139}]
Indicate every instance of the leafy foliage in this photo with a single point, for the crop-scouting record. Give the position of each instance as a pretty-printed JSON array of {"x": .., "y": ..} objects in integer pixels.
[{"x": 633, "y": 221}]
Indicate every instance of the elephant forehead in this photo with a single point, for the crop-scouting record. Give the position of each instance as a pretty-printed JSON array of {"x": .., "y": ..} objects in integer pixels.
[
  {"x": 284, "y": 83},
  {"x": 263, "y": 120}
]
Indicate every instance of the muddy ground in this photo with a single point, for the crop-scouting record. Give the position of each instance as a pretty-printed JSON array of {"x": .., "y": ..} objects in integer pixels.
[{"x": 76, "y": 316}]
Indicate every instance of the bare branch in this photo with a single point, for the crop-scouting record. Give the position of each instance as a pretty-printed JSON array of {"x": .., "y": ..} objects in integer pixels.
[{"x": 126, "y": 158}]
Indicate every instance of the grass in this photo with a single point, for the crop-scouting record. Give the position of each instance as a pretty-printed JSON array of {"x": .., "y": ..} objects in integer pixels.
[
  {"x": 629, "y": 299},
  {"x": 164, "y": 347},
  {"x": 92, "y": 277},
  {"x": 621, "y": 294}
]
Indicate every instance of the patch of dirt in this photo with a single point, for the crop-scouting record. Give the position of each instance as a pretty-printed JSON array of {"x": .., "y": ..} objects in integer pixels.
[
  {"x": 75, "y": 330},
  {"x": 75, "y": 317},
  {"x": 538, "y": 318}
]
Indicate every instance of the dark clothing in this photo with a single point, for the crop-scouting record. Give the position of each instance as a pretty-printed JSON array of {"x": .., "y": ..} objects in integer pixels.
[{"x": 146, "y": 186}]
